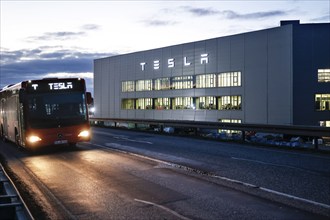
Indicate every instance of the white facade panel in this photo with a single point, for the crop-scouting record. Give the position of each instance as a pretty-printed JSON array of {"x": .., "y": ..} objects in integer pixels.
[
  {"x": 280, "y": 76},
  {"x": 255, "y": 78}
]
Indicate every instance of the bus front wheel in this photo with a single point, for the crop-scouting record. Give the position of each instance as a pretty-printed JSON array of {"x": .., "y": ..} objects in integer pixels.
[
  {"x": 17, "y": 138},
  {"x": 2, "y": 134}
]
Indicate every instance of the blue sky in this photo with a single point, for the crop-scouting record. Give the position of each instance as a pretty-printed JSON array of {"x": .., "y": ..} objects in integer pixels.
[{"x": 62, "y": 38}]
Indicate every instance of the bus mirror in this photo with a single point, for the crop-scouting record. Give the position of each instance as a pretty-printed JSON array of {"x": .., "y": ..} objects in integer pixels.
[
  {"x": 21, "y": 95},
  {"x": 89, "y": 98}
]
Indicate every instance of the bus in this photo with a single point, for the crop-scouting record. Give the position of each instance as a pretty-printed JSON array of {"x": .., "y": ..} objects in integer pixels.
[{"x": 45, "y": 112}]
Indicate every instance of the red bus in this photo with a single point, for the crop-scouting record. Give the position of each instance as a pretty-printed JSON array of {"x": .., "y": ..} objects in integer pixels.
[{"x": 45, "y": 112}]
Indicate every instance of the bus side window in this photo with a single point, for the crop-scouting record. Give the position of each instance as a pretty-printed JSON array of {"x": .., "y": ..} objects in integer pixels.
[
  {"x": 89, "y": 98},
  {"x": 21, "y": 95}
]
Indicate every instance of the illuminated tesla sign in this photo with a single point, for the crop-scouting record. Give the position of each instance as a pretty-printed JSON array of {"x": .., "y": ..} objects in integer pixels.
[
  {"x": 45, "y": 85},
  {"x": 204, "y": 59},
  {"x": 60, "y": 85},
  {"x": 55, "y": 86}
]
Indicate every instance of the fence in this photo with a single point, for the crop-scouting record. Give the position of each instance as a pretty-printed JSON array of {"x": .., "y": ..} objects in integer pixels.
[{"x": 314, "y": 132}]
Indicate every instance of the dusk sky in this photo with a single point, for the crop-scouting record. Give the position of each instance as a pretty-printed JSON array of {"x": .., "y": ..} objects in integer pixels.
[{"x": 62, "y": 38}]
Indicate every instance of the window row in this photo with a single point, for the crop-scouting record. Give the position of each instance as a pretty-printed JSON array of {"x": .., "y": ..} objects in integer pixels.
[
  {"x": 323, "y": 75},
  {"x": 322, "y": 102},
  {"x": 325, "y": 123},
  {"x": 200, "y": 103},
  {"x": 229, "y": 121},
  {"x": 184, "y": 82}
]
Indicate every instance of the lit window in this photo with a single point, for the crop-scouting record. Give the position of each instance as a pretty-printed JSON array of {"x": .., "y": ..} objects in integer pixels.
[
  {"x": 182, "y": 103},
  {"x": 322, "y": 102},
  {"x": 162, "y": 83},
  {"x": 206, "y": 81},
  {"x": 143, "y": 103},
  {"x": 229, "y": 79},
  {"x": 148, "y": 103},
  {"x": 230, "y": 103},
  {"x": 208, "y": 102},
  {"x": 162, "y": 103},
  {"x": 229, "y": 121},
  {"x": 182, "y": 82},
  {"x": 139, "y": 84},
  {"x": 140, "y": 104},
  {"x": 177, "y": 103},
  {"x": 323, "y": 75},
  {"x": 325, "y": 123},
  {"x": 127, "y": 104},
  {"x": 143, "y": 85},
  {"x": 127, "y": 86}
]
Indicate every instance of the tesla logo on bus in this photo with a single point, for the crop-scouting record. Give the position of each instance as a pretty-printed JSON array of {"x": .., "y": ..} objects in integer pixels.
[
  {"x": 56, "y": 86},
  {"x": 35, "y": 86},
  {"x": 60, "y": 85},
  {"x": 204, "y": 59}
]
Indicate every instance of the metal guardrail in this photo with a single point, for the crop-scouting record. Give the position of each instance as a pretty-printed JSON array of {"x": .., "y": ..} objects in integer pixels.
[
  {"x": 12, "y": 205},
  {"x": 297, "y": 130},
  {"x": 312, "y": 131}
]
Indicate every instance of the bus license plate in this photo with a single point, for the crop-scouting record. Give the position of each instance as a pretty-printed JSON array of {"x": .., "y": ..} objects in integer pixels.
[{"x": 61, "y": 142}]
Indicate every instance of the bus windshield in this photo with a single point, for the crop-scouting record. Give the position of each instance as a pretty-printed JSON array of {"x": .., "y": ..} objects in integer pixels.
[{"x": 46, "y": 110}]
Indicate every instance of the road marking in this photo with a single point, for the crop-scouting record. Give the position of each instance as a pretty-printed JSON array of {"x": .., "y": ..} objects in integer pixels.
[
  {"x": 164, "y": 208},
  {"x": 123, "y": 137},
  {"x": 296, "y": 198},
  {"x": 137, "y": 141},
  {"x": 220, "y": 177},
  {"x": 273, "y": 164},
  {"x": 108, "y": 134},
  {"x": 112, "y": 147},
  {"x": 273, "y": 191}
]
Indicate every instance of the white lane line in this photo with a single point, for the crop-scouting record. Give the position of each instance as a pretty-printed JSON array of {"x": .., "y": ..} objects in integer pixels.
[
  {"x": 137, "y": 141},
  {"x": 273, "y": 191},
  {"x": 296, "y": 198},
  {"x": 255, "y": 161},
  {"x": 221, "y": 177},
  {"x": 277, "y": 165},
  {"x": 122, "y": 137},
  {"x": 164, "y": 208},
  {"x": 112, "y": 147},
  {"x": 108, "y": 134}
]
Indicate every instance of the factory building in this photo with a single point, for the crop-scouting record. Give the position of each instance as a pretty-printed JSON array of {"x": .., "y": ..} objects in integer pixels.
[{"x": 279, "y": 76}]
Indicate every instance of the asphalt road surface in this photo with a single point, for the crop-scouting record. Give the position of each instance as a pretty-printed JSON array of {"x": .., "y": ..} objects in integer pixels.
[{"x": 124, "y": 174}]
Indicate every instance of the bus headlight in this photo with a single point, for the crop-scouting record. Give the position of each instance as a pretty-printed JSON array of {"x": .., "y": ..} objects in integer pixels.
[
  {"x": 33, "y": 139},
  {"x": 84, "y": 134}
]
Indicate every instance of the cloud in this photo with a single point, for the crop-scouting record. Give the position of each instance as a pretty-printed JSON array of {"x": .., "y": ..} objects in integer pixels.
[
  {"x": 200, "y": 11},
  {"x": 42, "y": 66},
  {"x": 256, "y": 15},
  {"x": 20, "y": 65},
  {"x": 157, "y": 23},
  {"x": 62, "y": 35},
  {"x": 229, "y": 14},
  {"x": 90, "y": 27}
]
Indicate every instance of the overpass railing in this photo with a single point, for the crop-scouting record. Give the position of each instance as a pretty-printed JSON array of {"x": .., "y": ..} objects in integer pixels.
[{"x": 315, "y": 132}]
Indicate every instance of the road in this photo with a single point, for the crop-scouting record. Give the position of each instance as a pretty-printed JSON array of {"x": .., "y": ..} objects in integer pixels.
[{"x": 124, "y": 174}]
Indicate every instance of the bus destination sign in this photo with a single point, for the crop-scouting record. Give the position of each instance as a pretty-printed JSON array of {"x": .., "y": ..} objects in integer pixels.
[
  {"x": 56, "y": 86},
  {"x": 48, "y": 86}
]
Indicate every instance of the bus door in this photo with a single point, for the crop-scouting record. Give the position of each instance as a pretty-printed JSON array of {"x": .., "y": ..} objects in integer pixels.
[
  {"x": 4, "y": 125},
  {"x": 20, "y": 114}
]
